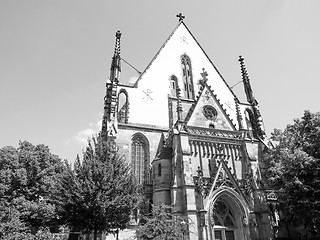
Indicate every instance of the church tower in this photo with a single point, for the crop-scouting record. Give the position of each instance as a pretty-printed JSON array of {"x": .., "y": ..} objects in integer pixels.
[{"x": 191, "y": 142}]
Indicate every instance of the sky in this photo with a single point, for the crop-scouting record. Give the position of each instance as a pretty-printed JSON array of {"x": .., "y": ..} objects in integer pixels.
[{"x": 55, "y": 58}]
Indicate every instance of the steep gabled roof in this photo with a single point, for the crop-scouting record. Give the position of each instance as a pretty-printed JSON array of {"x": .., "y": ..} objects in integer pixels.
[
  {"x": 206, "y": 97},
  {"x": 182, "y": 24},
  {"x": 163, "y": 45},
  {"x": 224, "y": 178}
]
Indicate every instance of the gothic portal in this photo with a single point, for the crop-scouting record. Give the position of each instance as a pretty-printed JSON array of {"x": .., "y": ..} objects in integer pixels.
[{"x": 190, "y": 141}]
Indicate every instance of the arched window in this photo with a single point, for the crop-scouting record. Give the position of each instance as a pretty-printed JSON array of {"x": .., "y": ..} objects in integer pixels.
[
  {"x": 123, "y": 106},
  {"x": 173, "y": 85},
  {"x": 223, "y": 220},
  {"x": 187, "y": 77},
  {"x": 140, "y": 158}
]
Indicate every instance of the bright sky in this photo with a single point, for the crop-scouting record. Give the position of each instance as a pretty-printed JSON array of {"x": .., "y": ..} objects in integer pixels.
[{"x": 55, "y": 58}]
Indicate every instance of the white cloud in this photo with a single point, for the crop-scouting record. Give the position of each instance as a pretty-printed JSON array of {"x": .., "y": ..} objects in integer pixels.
[
  {"x": 83, "y": 135},
  {"x": 133, "y": 79}
]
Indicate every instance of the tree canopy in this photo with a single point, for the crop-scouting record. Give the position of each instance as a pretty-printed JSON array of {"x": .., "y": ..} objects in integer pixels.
[
  {"x": 293, "y": 168},
  {"x": 162, "y": 224},
  {"x": 99, "y": 194},
  {"x": 27, "y": 178}
]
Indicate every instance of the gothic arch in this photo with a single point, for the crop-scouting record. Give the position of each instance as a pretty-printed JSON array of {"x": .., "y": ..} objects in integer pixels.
[
  {"x": 140, "y": 157},
  {"x": 187, "y": 77},
  {"x": 228, "y": 215},
  {"x": 123, "y": 106},
  {"x": 173, "y": 80}
]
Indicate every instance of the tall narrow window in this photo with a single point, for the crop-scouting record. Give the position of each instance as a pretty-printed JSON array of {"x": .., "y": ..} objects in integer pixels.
[
  {"x": 173, "y": 85},
  {"x": 187, "y": 77},
  {"x": 159, "y": 169},
  {"x": 123, "y": 106},
  {"x": 140, "y": 158}
]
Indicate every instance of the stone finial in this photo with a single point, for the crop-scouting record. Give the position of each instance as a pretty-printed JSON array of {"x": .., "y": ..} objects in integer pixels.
[
  {"x": 246, "y": 81},
  {"x": 180, "y": 16},
  {"x": 117, "y": 44}
]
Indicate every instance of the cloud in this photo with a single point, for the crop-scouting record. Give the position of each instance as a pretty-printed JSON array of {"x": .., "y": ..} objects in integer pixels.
[
  {"x": 82, "y": 136},
  {"x": 133, "y": 79}
]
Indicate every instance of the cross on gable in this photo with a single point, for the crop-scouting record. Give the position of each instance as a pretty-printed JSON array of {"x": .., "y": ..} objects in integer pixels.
[
  {"x": 184, "y": 39},
  {"x": 204, "y": 75},
  {"x": 147, "y": 94},
  {"x": 181, "y": 17}
]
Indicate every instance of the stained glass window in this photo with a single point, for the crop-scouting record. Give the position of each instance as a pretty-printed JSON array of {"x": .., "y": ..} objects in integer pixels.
[
  {"x": 139, "y": 158},
  {"x": 187, "y": 77}
]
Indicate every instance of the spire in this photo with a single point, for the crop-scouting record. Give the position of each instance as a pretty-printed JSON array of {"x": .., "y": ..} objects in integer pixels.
[
  {"x": 246, "y": 82},
  {"x": 115, "y": 65},
  {"x": 256, "y": 120}
]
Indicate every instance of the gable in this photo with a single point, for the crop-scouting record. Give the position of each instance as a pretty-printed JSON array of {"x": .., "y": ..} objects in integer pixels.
[
  {"x": 207, "y": 112},
  {"x": 155, "y": 79},
  {"x": 224, "y": 179}
]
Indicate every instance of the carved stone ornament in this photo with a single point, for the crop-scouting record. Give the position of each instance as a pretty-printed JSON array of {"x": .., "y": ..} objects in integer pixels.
[{"x": 210, "y": 112}]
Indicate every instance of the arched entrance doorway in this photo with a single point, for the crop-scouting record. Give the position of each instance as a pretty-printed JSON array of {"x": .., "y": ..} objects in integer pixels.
[{"x": 228, "y": 216}]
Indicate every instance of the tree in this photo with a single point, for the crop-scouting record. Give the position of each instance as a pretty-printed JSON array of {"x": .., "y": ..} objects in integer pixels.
[
  {"x": 100, "y": 193},
  {"x": 293, "y": 168},
  {"x": 27, "y": 179},
  {"x": 162, "y": 224}
]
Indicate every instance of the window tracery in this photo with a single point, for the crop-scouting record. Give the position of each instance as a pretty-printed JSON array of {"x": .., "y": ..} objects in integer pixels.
[
  {"x": 222, "y": 214},
  {"x": 223, "y": 220},
  {"x": 210, "y": 112},
  {"x": 187, "y": 77},
  {"x": 140, "y": 158}
]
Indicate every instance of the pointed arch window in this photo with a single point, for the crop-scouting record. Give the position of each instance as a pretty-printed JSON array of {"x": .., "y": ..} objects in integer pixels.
[
  {"x": 173, "y": 85},
  {"x": 224, "y": 221},
  {"x": 140, "y": 158},
  {"x": 187, "y": 77},
  {"x": 123, "y": 106}
]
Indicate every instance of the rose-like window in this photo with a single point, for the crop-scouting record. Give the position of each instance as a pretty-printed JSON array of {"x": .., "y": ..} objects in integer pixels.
[{"x": 210, "y": 112}]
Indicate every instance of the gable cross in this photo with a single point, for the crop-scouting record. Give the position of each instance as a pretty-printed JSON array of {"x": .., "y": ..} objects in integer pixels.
[
  {"x": 204, "y": 75},
  {"x": 181, "y": 17}
]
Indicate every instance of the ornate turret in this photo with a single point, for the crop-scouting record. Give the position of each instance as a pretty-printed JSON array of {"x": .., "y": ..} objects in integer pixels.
[
  {"x": 115, "y": 65},
  {"x": 246, "y": 82},
  {"x": 256, "y": 120},
  {"x": 109, "y": 129}
]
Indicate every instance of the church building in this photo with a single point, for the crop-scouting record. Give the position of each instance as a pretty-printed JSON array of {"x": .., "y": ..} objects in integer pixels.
[{"x": 190, "y": 141}]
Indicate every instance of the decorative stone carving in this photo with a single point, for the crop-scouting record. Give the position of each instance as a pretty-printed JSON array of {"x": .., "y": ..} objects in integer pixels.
[{"x": 214, "y": 133}]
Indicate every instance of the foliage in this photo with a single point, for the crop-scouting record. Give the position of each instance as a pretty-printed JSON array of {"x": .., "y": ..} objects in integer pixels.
[
  {"x": 293, "y": 167},
  {"x": 162, "y": 224},
  {"x": 100, "y": 193},
  {"x": 27, "y": 179}
]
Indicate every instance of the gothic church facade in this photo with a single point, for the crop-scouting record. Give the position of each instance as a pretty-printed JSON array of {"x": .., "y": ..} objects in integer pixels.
[{"x": 191, "y": 143}]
